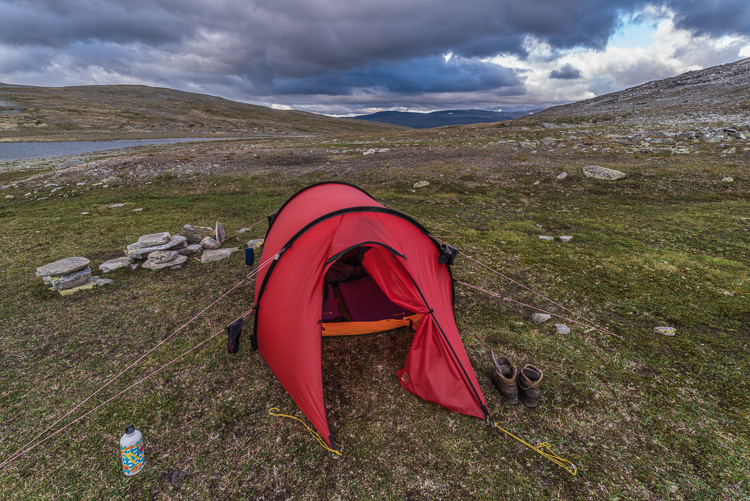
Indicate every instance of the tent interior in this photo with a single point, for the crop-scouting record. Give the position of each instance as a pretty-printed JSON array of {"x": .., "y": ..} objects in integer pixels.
[{"x": 353, "y": 303}]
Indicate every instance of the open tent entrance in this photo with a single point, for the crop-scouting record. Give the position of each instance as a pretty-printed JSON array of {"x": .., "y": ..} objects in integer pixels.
[{"x": 353, "y": 301}]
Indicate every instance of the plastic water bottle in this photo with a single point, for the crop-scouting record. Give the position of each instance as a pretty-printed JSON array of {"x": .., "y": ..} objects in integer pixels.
[{"x": 131, "y": 450}]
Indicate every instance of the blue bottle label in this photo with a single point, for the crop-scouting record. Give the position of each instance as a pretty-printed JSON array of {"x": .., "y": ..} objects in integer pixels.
[{"x": 132, "y": 458}]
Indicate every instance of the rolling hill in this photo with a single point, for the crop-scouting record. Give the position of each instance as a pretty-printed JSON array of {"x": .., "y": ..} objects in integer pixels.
[{"x": 133, "y": 111}]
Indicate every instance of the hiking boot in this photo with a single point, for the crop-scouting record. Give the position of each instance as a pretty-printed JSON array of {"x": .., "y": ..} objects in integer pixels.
[
  {"x": 504, "y": 376},
  {"x": 529, "y": 380}
]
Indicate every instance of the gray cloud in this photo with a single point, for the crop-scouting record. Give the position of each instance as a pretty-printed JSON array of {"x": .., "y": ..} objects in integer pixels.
[
  {"x": 260, "y": 50},
  {"x": 566, "y": 72}
]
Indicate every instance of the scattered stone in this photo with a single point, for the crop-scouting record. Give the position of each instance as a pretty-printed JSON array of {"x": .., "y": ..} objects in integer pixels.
[
  {"x": 666, "y": 331},
  {"x": 211, "y": 255},
  {"x": 729, "y": 151},
  {"x": 255, "y": 243},
  {"x": 566, "y": 238},
  {"x": 85, "y": 213},
  {"x": 220, "y": 233},
  {"x": 727, "y": 179},
  {"x": 63, "y": 266},
  {"x": 603, "y": 173},
  {"x": 562, "y": 329},
  {"x": 195, "y": 234},
  {"x": 540, "y": 317},
  {"x": 92, "y": 283},
  {"x": 115, "y": 264},
  {"x": 170, "y": 265},
  {"x": 210, "y": 243},
  {"x": 161, "y": 257},
  {"x": 421, "y": 184},
  {"x": 139, "y": 209},
  {"x": 9, "y": 197},
  {"x": 191, "y": 250},
  {"x": 176, "y": 242},
  {"x": 562, "y": 176},
  {"x": 154, "y": 239},
  {"x": 114, "y": 206},
  {"x": 543, "y": 237},
  {"x": 68, "y": 281}
]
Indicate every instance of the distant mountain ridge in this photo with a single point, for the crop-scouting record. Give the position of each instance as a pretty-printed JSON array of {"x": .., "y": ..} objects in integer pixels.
[
  {"x": 715, "y": 94},
  {"x": 134, "y": 111},
  {"x": 440, "y": 118}
]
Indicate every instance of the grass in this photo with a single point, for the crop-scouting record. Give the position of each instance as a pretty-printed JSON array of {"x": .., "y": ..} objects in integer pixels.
[{"x": 645, "y": 417}]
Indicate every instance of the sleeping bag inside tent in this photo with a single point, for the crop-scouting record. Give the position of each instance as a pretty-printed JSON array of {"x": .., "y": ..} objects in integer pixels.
[{"x": 343, "y": 264}]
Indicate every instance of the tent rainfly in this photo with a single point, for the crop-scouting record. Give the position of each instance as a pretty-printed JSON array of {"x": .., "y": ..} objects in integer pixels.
[{"x": 345, "y": 264}]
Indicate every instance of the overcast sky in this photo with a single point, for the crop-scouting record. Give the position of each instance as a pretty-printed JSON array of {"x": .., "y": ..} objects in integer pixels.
[{"x": 361, "y": 56}]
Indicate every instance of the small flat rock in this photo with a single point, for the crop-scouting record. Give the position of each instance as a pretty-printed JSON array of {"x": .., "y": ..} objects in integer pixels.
[
  {"x": 562, "y": 329},
  {"x": 85, "y": 213},
  {"x": 210, "y": 243},
  {"x": 171, "y": 265},
  {"x": 561, "y": 176},
  {"x": 566, "y": 238},
  {"x": 665, "y": 331},
  {"x": 221, "y": 235},
  {"x": 540, "y": 317},
  {"x": 421, "y": 184},
  {"x": 60, "y": 282},
  {"x": 139, "y": 209},
  {"x": 114, "y": 206},
  {"x": 63, "y": 266},
  {"x": 154, "y": 239},
  {"x": 255, "y": 243},
  {"x": 603, "y": 173},
  {"x": 727, "y": 179},
  {"x": 134, "y": 250},
  {"x": 543, "y": 237},
  {"x": 195, "y": 234},
  {"x": 161, "y": 257},
  {"x": 115, "y": 264},
  {"x": 92, "y": 283},
  {"x": 191, "y": 250},
  {"x": 211, "y": 255}
]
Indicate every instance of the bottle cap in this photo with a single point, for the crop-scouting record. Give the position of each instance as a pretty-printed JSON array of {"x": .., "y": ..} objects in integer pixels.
[{"x": 130, "y": 430}]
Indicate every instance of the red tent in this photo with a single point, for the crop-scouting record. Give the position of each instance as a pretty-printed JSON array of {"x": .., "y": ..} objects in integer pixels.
[{"x": 345, "y": 264}]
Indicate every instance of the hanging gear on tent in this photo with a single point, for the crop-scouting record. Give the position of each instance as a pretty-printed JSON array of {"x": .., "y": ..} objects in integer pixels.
[
  {"x": 233, "y": 333},
  {"x": 448, "y": 254}
]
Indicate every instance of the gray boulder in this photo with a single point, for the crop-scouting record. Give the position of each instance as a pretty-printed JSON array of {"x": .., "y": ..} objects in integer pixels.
[
  {"x": 220, "y": 233},
  {"x": 211, "y": 255},
  {"x": 115, "y": 264},
  {"x": 176, "y": 242},
  {"x": 161, "y": 257},
  {"x": 63, "y": 266},
  {"x": 540, "y": 317},
  {"x": 169, "y": 265},
  {"x": 191, "y": 249},
  {"x": 60, "y": 282},
  {"x": 90, "y": 284},
  {"x": 210, "y": 243},
  {"x": 562, "y": 329},
  {"x": 603, "y": 173},
  {"x": 255, "y": 243},
  {"x": 154, "y": 239},
  {"x": 195, "y": 234}
]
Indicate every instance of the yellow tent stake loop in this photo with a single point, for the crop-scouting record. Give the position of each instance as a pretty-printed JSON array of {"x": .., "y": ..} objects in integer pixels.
[
  {"x": 570, "y": 467},
  {"x": 275, "y": 411}
]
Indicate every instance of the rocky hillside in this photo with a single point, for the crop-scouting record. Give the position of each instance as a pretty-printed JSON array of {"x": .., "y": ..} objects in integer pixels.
[
  {"x": 717, "y": 95},
  {"x": 132, "y": 111}
]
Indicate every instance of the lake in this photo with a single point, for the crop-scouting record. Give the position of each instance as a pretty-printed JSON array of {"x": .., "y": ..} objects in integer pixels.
[{"x": 24, "y": 151}]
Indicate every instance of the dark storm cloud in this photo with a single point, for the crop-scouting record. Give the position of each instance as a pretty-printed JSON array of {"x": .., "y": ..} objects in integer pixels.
[
  {"x": 566, "y": 72},
  {"x": 258, "y": 49},
  {"x": 717, "y": 17}
]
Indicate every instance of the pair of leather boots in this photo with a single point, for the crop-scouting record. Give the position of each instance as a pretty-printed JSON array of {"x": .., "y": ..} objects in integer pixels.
[{"x": 512, "y": 381}]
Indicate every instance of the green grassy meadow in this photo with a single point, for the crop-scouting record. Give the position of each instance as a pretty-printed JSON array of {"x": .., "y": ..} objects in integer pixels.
[{"x": 642, "y": 417}]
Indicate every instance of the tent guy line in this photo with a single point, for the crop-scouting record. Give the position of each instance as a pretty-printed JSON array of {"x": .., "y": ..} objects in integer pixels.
[
  {"x": 24, "y": 448},
  {"x": 504, "y": 298}
]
